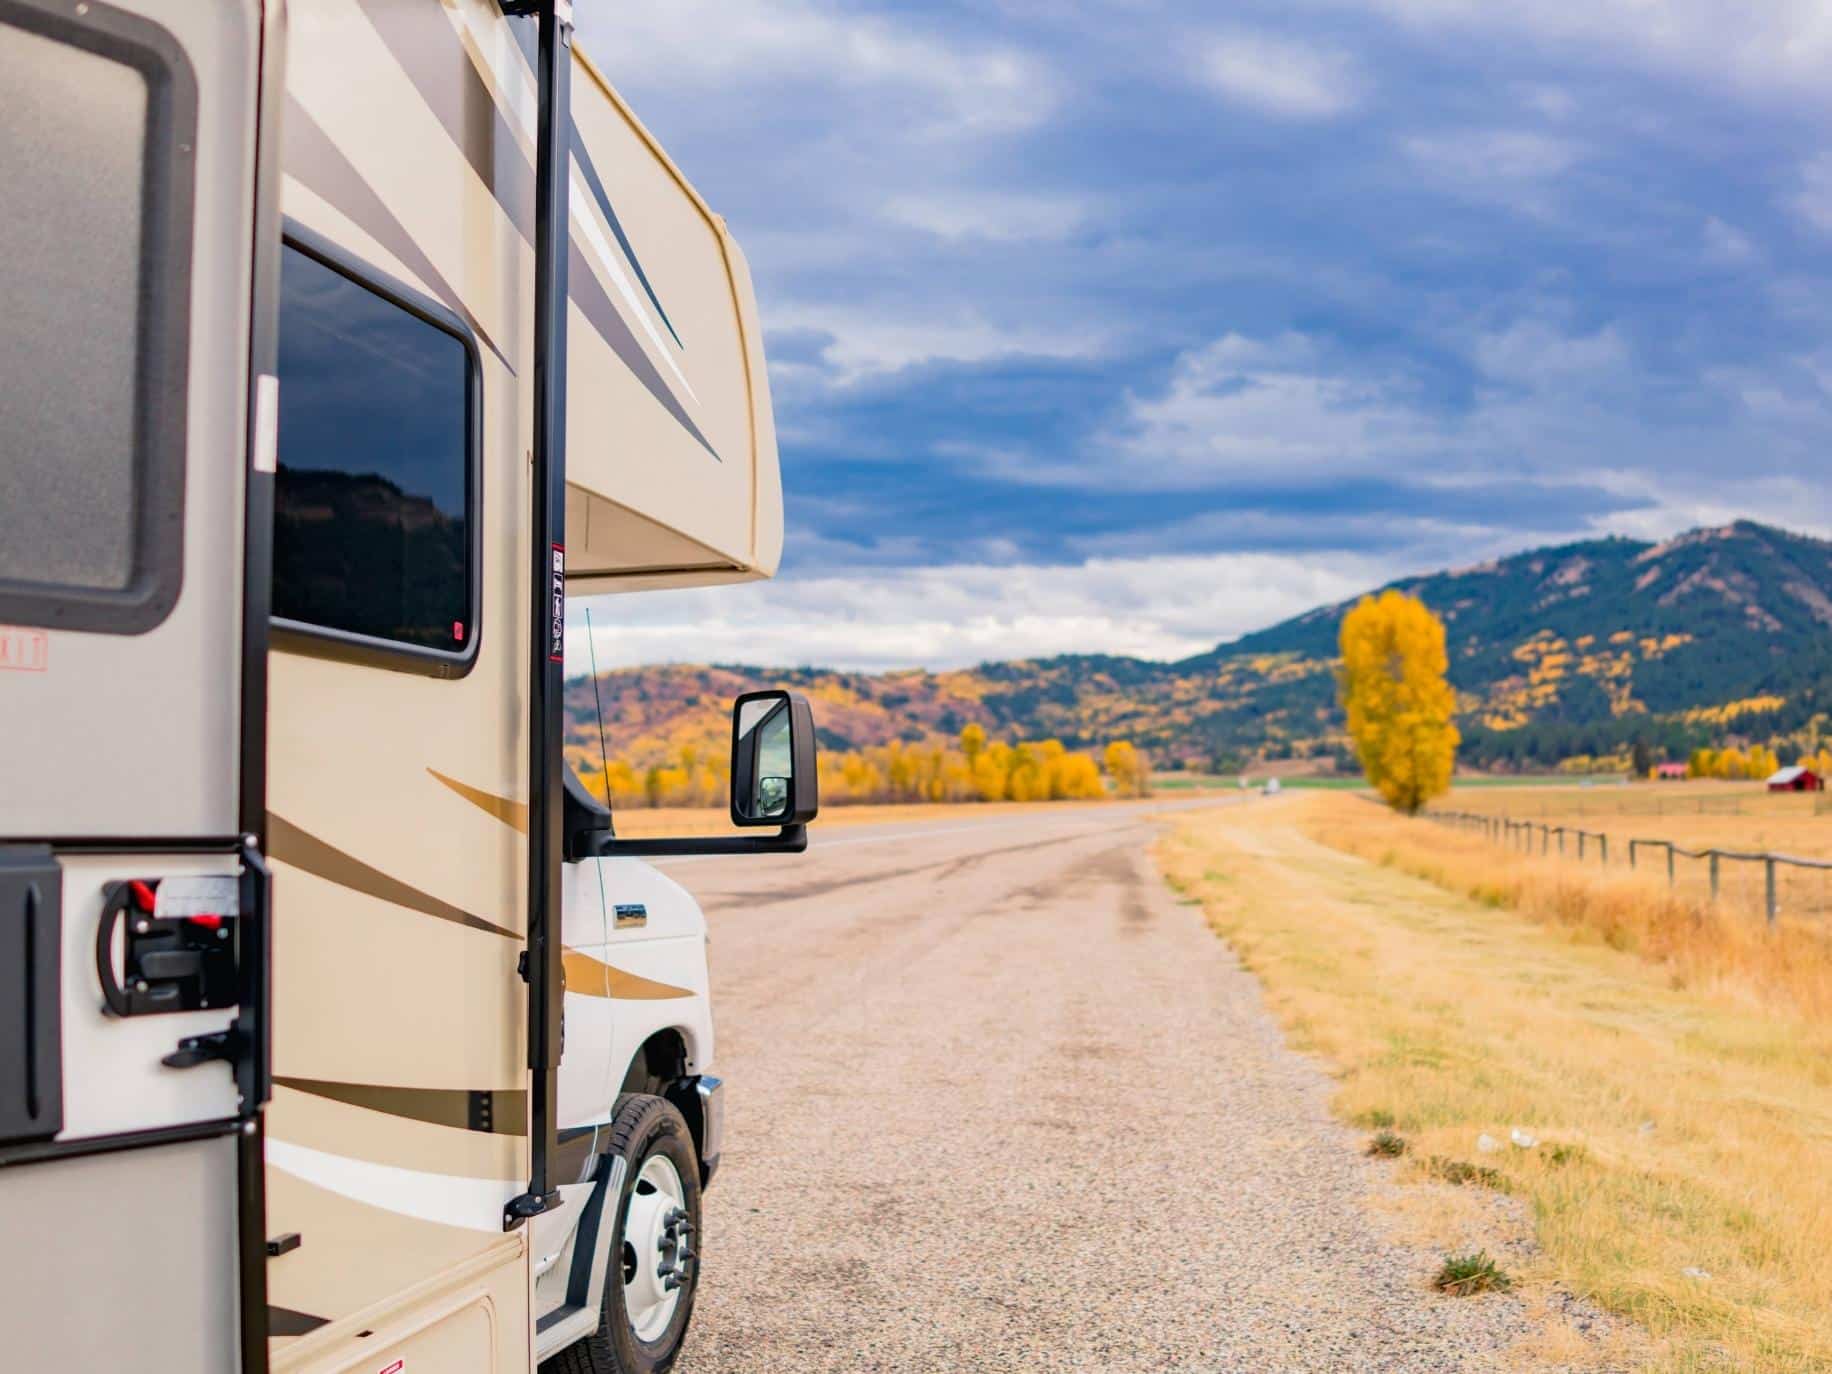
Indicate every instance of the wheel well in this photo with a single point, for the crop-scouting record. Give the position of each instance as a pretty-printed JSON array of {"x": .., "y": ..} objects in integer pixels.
[
  {"x": 659, "y": 1068},
  {"x": 661, "y": 1060}
]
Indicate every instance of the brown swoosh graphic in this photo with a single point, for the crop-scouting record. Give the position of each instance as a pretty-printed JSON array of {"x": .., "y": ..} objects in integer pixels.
[
  {"x": 445, "y": 74},
  {"x": 313, "y": 157},
  {"x": 291, "y": 845},
  {"x": 511, "y": 813},
  {"x": 591, "y": 978},
  {"x": 460, "y": 1108},
  {"x": 283, "y": 1321}
]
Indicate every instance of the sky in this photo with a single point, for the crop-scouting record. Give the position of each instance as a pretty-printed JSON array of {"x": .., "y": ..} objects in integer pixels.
[{"x": 1131, "y": 327}]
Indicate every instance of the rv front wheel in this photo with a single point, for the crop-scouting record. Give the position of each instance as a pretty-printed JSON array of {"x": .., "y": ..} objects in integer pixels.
[{"x": 655, "y": 1266}]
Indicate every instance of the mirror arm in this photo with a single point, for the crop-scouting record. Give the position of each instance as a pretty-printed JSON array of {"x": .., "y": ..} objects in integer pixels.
[{"x": 791, "y": 839}]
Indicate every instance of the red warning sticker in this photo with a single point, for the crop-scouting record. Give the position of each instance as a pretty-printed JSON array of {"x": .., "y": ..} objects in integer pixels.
[
  {"x": 25, "y": 651},
  {"x": 398, "y": 1367}
]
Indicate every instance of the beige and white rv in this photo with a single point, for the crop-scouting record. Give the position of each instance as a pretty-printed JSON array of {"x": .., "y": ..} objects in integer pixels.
[{"x": 341, "y": 341}]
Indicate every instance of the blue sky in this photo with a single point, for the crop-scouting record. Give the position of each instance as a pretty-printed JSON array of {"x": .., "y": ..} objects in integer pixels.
[{"x": 1130, "y": 327}]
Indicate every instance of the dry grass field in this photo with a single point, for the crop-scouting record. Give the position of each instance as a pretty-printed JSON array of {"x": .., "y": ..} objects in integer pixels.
[
  {"x": 1696, "y": 816},
  {"x": 1673, "y": 1082}
]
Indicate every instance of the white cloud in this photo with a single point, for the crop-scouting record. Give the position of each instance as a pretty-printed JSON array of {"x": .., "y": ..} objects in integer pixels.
[
  {"x": 989, "y": 216},
  {"x": 1772, "y": 50},
  {"x": 1537, "y": 354},
  {"x": 939, "y": 617},
  {"x": 1728, "y": 244},
  {"x": 1813, "y": 201},
  {"x": 1554, "y": 102},
  {"x": 1477, "y": 156},
  {"x": 866, "y": 341},
  {"x": 1247, "y": 408},
  {"x": 965, "y": 87},
  {"x": 1279, "y": 77}
]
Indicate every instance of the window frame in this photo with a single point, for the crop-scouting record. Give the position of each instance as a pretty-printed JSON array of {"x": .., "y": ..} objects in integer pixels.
[
  {"x": 347, "y": 646},
  {"x": 161, "y": 429}
]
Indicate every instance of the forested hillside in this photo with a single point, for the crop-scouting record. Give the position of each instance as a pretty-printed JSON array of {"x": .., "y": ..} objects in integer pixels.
[{"x": 1720, "y": 635}]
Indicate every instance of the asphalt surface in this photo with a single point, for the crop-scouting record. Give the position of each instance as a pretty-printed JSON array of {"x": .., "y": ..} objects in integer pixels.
[{"x": 999, "y": 1102}]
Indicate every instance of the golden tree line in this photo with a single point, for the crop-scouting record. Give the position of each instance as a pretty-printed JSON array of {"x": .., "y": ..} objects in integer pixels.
[
  {"x": 973, "y": 768},
  {"x": 1757, "y": 762}
]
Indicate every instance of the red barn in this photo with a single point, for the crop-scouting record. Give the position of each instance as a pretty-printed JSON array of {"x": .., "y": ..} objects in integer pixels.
[{"x": 1796, "y": 780}]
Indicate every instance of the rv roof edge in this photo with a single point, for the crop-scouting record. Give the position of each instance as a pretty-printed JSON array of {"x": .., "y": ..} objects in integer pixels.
[{"x": 673, "y": 437}]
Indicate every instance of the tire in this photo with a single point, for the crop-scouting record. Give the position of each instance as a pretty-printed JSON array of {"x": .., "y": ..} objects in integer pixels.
[{"x": 662, "y": 1176}]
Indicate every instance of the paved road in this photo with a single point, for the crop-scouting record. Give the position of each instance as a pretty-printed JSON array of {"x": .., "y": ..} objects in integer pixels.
[{"x": 999, "y": 1102}]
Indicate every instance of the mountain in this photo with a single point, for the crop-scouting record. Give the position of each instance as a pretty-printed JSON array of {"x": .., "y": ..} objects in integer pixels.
[{"x": 1577, "y": 649}]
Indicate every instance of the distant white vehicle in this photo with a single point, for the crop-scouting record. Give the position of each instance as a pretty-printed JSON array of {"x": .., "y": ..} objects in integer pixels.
[{"x": 1272, "y": 787}]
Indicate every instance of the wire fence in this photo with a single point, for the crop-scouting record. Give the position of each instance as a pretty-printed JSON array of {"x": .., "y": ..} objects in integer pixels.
[{"x": 1771, "y": 883}]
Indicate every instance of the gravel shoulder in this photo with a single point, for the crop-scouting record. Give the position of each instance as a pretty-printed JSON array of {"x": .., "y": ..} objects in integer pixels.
[{"x": 1000, "y": 1102}]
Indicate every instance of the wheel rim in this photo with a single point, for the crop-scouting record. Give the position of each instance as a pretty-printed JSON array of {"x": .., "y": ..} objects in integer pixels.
[{"x": 657, "y": 1248}]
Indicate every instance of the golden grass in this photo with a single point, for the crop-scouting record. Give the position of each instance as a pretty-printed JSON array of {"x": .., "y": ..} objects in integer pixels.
[
  {"x": 1696, "y": 814},
  {"x": 1726, "y": 948},
  {"x": 1680, "y": 1127}
]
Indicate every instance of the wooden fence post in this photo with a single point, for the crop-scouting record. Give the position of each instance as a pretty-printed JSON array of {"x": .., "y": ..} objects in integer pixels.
[{"x": 1769, "y": 864}]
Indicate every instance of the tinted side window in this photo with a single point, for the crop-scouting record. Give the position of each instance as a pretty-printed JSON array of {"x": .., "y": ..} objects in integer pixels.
[{"x": 374, "y": 505}]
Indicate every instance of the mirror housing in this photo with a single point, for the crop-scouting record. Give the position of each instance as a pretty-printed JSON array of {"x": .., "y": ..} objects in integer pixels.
[
  {"x": 774, "y": 782},
  {"x": 774, "y": 777}
]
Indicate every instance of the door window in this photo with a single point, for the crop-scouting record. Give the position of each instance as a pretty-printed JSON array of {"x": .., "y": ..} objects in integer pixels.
[{"x": 375, "y": 504}]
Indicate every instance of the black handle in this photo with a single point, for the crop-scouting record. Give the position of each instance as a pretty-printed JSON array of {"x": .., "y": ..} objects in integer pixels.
[{"x": 115, "y": 899}]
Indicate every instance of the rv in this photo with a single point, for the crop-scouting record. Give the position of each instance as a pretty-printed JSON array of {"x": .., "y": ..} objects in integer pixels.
[{"x": 343, "y": 342}]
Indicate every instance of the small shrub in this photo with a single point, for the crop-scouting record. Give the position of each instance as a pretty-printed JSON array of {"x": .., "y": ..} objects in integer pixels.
[
  {"x": 1565, "y": 1154},
  {"x": 1375, "y": 1120},
  {"x": 1466, "y": 1275},
  {"x": 1463, "y": 1175},
  {"x": 1387, "y": 1145}
]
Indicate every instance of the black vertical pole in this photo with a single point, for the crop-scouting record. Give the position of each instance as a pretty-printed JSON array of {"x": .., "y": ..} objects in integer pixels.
[
  {"x": 254, "y": 934},
  {"x": 552, "y": 243}
]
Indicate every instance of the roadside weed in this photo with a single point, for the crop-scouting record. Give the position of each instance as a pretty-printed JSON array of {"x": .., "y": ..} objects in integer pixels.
[{"x": 1464, "y": 1276}]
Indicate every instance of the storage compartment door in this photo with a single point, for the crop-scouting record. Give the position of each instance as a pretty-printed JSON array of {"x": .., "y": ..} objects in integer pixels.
[{"x": 138, "y": 237}]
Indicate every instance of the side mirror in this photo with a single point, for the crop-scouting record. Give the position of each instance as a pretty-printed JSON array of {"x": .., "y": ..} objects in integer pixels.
[
  {"x": 773, "y": 783},
  {"x": 774, "y": 777}
]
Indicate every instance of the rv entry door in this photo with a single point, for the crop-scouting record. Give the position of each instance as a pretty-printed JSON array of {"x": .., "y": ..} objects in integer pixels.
[{"x": 138, "y": 242}]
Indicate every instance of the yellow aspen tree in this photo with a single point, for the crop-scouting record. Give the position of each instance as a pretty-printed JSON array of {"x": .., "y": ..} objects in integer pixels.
[
  {"x": 973, "y": 740},
  {"x": 1129, "y": 769},
  {"x": 1399, "y": 701}
]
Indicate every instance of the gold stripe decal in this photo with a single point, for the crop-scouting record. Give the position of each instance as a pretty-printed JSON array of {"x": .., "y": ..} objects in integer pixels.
[
  {"x": 590, "y": 978},
  {"x": 499, "y": 1112},
  {"x": 291, "y": 845},
  {"x": 511, "y": 813}
]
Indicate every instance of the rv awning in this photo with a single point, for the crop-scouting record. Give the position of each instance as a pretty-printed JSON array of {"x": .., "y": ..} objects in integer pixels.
[{"x": 672, "y": 475}]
